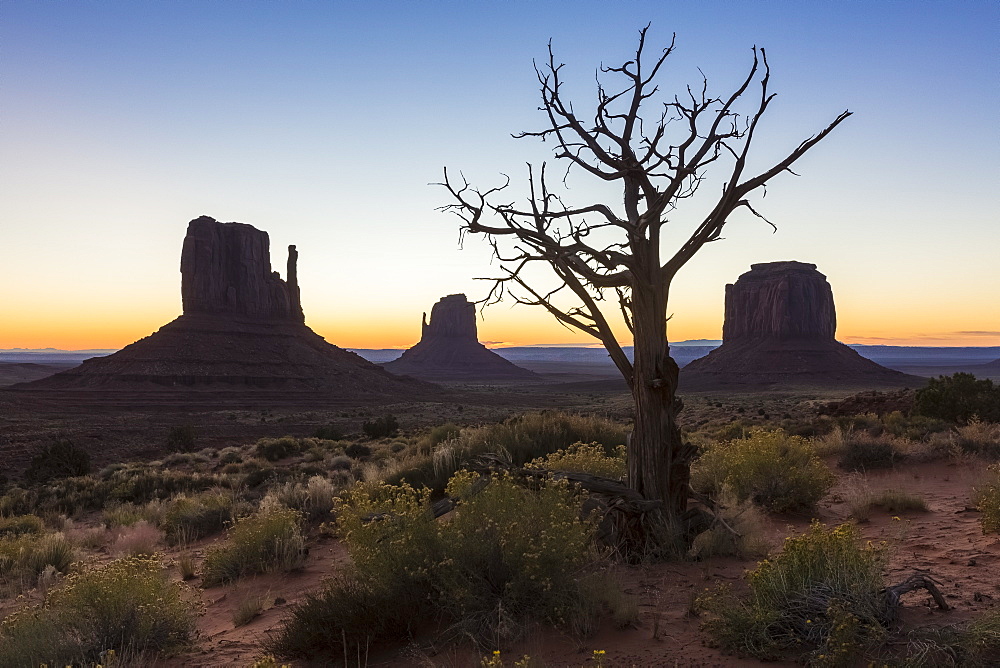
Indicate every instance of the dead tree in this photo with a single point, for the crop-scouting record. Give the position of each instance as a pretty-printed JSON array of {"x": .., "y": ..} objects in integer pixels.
[{"x": 602, "y": 253}]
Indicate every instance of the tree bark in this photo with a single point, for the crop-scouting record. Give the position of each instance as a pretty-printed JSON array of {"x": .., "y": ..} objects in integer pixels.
[{"x": 659, "y": 463}]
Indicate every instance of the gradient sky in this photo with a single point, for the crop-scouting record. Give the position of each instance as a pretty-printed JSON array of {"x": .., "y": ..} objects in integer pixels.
[{"x": 324, "y": 122}]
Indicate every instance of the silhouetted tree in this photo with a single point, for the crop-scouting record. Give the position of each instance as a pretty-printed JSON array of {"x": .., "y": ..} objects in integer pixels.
[{"x": 603, "y": 254}]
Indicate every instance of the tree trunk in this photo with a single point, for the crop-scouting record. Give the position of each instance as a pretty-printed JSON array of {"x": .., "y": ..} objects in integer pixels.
[{"x": 659, "y": 462}]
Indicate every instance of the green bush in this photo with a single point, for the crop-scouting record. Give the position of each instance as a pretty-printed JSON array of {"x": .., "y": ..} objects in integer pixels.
[
  {"x": 864, "y": 452},
  {"x": 269, "y": 540},
  {"x": 508, "y": 558},
  {"x": 820, "y": 600},
  {"x": 381, "y": 427},
  {"x": 181, "y": 438},
  {"x": 774, "y": 470},
  {"x": 62, "y": 459},
  {"x": 329, "y": 433},
  {"x": 523, "y": 438},
  {"x": 592, "y": 458},
  {"x": 189, "y": 518},
  {"x": 958, "y": 398},
  {"x": 20, "y": 524},
  {"x": 128, "y": 605},
  {"x": 357, "y": 451}
]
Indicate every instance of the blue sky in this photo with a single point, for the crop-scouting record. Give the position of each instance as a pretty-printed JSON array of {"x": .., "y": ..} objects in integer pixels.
[{"x": 324, "y": 122}]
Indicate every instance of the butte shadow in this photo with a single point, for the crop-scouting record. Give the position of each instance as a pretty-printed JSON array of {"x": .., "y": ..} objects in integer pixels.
[
  {"x": 779, "y": 332},
  {"x": 242, "y": 332}
]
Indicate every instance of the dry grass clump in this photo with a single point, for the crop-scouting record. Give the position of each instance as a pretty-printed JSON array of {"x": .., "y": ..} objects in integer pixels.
[
  {"x": 24, "y": 557},
  {"x": 128, "y": 605},
  {"x": 986, "y": 496},
  {"x": 313, "y": 498},
  {"x": 508, "y": 558},
  {"x": 979, "y": 438},
  {"x": 861, "y": 500},
  {"x": 142, "y": 538},
  {"x": 748, "y": 522},
  {"x": 819, "y": 600},
  {"x": 250, "y": 607},
  {"x": 774, "y": 470},
  {"x": 269, "y": 540}
]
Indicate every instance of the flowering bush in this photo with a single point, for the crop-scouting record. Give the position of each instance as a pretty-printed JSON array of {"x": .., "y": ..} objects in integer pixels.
[
  {"x": 771, "y": 468},
  {"x": 590, "y": 458},
  {"x": 128, "y": 604},
  {"x": 509, "y": 556}
]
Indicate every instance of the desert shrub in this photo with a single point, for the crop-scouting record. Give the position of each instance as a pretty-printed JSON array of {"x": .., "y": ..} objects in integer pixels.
[
  {"x": 313, "y": 498},
  {"x": 820, "y": 599},
  {"x": 986, "y": 496},
  {"x": 864, "y": 452},
  {"x": 20, "y": 524},
  {"x": 192, "y": 517},
  {"x": 273, "y": 449},
  {"x": 269, "y": 540},
  {"x": 28, "y": 555},
  {"x": 774, "y": 470},
  {"x": 509, "y": 557},
  {"x": 230, "y": 455},
  {"x": 590, "y": 458},
  {"x": 141, "y": 538},
  {"x": 382, "y": 427},
  {"x": 126, "y": 605},
  {"x": 974, "y": 643},
  {"x": 181, "y": 437},
  {"x": 329, "y": 433},
  {"x": 258, "y": 475},
  {"x": 341, "y": 463},
  {"x": 357, "y": 451},
  {"x": 523, "y": 438},
  {"x": 958, "y": 398},
  {"x": 979, "y": 438},
  {"x": 438, "y": 435},
  {"x": 122, "y": 515},
  {"x": 62, "y": 459},
  {"x": 913, "y": 426},
  {"x": 746, "y": 519}
]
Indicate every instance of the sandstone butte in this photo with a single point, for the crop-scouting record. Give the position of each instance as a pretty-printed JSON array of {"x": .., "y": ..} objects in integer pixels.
[
  {"x": 779, "y": 331},
  {"x": 449, "y": 348},
  {"x": 242, "y": 330}
]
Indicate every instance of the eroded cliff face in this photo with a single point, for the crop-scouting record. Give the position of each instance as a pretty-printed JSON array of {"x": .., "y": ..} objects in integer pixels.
[
  {"x": 226, "y": 270},
  {"x": 452, "y": 317},
  {"x": 780, "y": 300}
]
